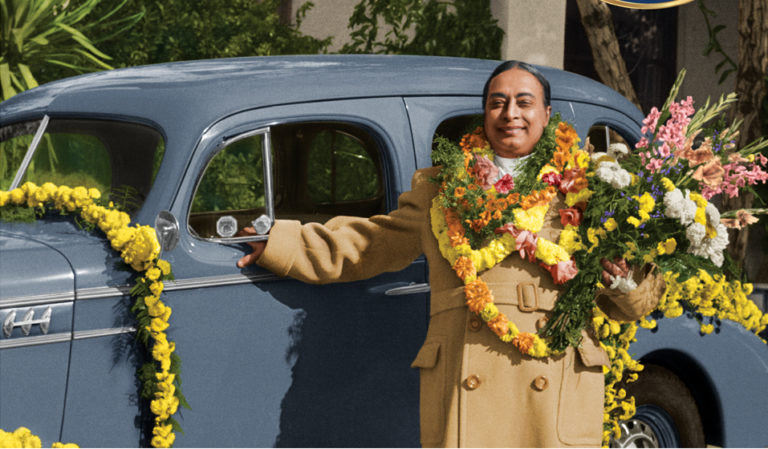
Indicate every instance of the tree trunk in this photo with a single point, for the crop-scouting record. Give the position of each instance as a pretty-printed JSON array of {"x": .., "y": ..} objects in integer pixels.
[
  {"x": 285, "y": 11},
  {"x": 751, "y": 89},
  {"x": 609, "y": 64}
]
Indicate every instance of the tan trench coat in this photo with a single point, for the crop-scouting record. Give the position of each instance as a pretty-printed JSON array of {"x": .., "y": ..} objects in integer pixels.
[{"x": 476, "y": 391}]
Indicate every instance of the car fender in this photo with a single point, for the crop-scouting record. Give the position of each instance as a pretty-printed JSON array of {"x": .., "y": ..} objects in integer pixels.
[{"x": 725, "y": 371}]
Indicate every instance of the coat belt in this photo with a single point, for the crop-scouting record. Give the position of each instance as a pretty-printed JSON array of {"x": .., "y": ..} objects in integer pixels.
[{"x": 525, "y": 295}]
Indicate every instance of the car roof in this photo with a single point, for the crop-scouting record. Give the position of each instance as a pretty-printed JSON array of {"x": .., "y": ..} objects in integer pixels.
[{"x": 206, "y": 91}]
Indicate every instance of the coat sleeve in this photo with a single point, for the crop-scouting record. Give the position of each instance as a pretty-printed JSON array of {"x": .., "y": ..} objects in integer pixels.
[
  {"x": 637, "y": 303},
  {"x": 351, "y": 248}
]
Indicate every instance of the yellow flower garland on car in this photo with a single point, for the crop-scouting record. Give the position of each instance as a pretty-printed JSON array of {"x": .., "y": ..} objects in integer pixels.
[{"x": 139, "y": 248}]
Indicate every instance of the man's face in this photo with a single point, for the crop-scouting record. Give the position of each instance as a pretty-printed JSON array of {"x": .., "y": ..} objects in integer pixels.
[{"x": 515, "y": 115}]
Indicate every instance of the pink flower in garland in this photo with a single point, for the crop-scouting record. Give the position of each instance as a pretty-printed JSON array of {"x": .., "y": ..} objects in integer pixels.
[
  {"x": 562, "y": 272},
  {"x": 571, "y": 216},
  {"x": 485, "y": 172},
  {"x": 552, "y": 178},
  {"x": 526, "y": 242},
  {"x": 505, "y": 184}
]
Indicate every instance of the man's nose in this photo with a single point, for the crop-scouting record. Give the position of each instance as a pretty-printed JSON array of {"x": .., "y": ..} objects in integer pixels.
[{"x": 511, "y": 111}]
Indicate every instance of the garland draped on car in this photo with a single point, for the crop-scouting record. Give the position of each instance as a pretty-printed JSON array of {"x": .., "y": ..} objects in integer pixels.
[
  {"x": 138, "y": 247},
  {"x": 647, "y": 207}
]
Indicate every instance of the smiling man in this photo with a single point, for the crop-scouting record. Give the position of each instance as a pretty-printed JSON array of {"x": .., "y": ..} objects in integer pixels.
[{"x": 477, "y": 389}]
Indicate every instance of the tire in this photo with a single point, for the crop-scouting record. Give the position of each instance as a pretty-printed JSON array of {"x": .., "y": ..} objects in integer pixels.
[{"x": 666, "y": 415}]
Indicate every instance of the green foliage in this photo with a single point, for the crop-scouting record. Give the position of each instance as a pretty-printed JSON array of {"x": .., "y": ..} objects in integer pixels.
[
  {"x": 176, "y": 30},
  {"x": 42, "y": 40},
  {"x": 233, "y": 180},
  {"x": 425, "y": 27},
  {"x": 339, "y": 169},
  {"x": 726, "y": 64}
]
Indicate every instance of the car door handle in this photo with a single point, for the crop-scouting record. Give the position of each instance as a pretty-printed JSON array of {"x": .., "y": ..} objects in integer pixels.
[{"x": 409, "y": 289}]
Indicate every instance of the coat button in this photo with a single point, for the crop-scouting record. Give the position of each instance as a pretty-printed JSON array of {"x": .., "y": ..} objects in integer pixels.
[
  {"x": 475, "y": 324},
  {"x": 541, "y": 322},
  {"x": 541, "y": 383},
  {"x": 472, "y": 382}
]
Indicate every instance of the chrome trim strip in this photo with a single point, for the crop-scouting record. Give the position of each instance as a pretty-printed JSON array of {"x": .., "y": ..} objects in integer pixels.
[
  {"x": 214, "y": 281},
  {"x": 82, "y": 335},
  {"x": 36, "y": 340},
  {"x": 408, "y": 290},
  {"x": 63, "y": 337},
  {"x": 125, "y": 290},
  {"x": 36, "y": 300},
  {"x": 30, "y": 152},
  {"x": 103, "y": 292}
]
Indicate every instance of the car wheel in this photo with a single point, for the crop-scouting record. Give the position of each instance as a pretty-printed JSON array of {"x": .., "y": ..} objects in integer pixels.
[{"x": 666, "y": 414}]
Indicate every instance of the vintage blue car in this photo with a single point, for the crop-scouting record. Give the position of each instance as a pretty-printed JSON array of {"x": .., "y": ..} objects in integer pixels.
[{"x": 209, "y": 146}]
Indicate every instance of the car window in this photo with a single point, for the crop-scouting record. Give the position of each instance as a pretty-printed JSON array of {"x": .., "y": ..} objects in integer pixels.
[
  {"x": 602, "y": 136},
  {"x": 120, "y": 159},
  {"x": 320, "y": 170},
  {"x": 455, "y": 127}
]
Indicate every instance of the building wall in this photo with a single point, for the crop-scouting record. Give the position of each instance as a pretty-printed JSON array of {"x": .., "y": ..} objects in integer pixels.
[
  {"x": 534, "y": 30},
  {"x": 692, "y": 38},
  {"x": 537, "y": 36}
]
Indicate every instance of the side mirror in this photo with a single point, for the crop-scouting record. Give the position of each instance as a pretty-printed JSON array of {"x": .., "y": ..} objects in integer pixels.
[{"x": 167, "y": 230}]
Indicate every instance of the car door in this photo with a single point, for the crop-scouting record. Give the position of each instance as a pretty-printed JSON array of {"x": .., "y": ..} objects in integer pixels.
[
  {"x": 273, "y": 361},
  {"x": 37, "y": 293},
  {"x": 36, "y": 335}
]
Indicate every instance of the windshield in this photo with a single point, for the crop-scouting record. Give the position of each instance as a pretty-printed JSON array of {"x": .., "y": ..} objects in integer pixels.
[{"x": 120, "y": 159}]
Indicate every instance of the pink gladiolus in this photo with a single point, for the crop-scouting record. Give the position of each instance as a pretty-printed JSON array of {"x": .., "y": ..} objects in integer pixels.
[
  {"x": 562, "y": 272},
  {"x": 651, "y": 121},
  {"x": 526, "y": 243},
  {"x": 505, "y": 184},
  {"x": 485, "y": 172},
  {"x": 743, "y": 219},
  {"x": 710, "y": 173}
]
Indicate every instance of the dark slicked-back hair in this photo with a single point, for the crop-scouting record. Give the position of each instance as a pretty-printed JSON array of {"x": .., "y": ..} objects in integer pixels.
[{"x": 513, "y": 64}]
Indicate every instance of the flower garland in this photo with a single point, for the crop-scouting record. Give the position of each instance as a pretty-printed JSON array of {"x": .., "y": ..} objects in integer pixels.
[
  {"x": 468, "y": 206},
  {"x": 138, "y": 247},
  {"x": 23, "y": 437}
]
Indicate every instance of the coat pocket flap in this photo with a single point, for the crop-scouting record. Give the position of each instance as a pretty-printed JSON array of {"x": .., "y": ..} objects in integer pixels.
[
  {"x": 427, "y": 356},
  {"x": 591, "y": 353}
]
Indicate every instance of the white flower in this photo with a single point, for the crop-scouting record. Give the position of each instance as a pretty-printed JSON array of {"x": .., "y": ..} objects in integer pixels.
[
  {"x": 613, "y": 174},
  {"x": 618, "y": 150},
  {"x": 711, "y": 248},
  {"x": 625, "y": 285},
  {"x": 713, "y": 215},
  {"x": 596, "y": 158},
  {"x": 677, "y": 206},
  {"x": 695, "y": 234}
]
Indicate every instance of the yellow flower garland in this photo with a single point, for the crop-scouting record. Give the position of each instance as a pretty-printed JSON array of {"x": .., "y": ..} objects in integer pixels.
[{"x": 139, "y": 248}]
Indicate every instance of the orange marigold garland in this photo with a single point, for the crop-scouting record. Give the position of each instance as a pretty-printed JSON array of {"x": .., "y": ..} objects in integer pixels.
[{"x": 478, "y": 227}]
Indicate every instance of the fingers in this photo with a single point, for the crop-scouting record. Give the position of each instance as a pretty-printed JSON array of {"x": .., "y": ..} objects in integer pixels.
[
  {"x": 617, "y": 268},
  {"x": 248, "y": 259},
  {"x": 249, "y": 230},
  {"x": 607, "y": 278},
  {"x": 622, "y": 264}
]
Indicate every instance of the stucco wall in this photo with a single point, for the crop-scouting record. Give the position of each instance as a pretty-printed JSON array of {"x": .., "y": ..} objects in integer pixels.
[
  {"x": 692, "y": 38},
  {"x": 534, "y": 29}
]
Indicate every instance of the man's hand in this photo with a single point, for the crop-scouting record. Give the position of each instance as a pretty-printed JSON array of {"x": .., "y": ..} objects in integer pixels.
[
  {"x": 258, "y": 248},
  {"x": 617, "y": 268}
]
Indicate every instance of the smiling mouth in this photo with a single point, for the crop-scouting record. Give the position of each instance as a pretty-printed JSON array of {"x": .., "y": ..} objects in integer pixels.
[{"x": 512, "y": 130}]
